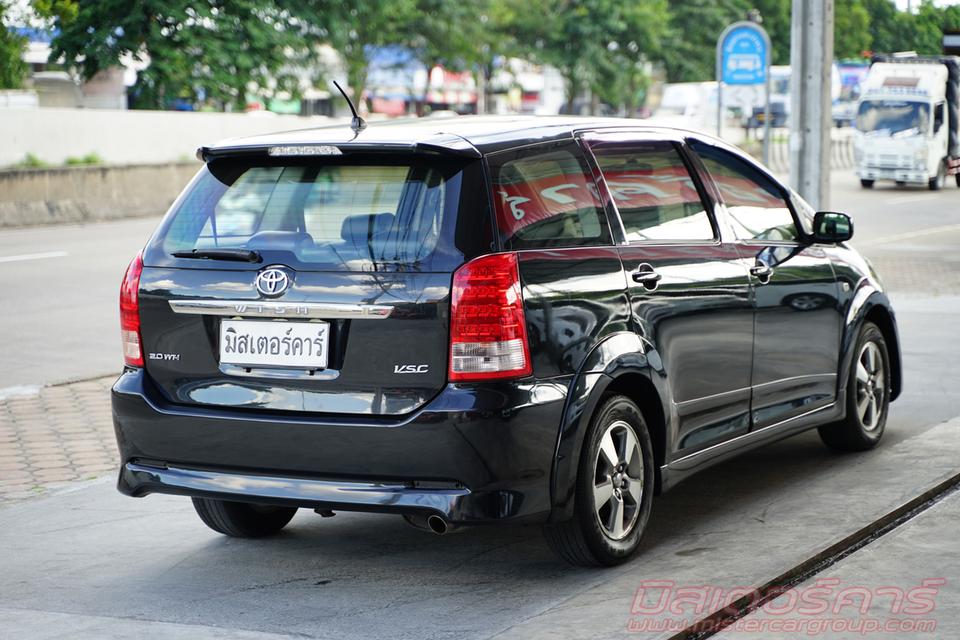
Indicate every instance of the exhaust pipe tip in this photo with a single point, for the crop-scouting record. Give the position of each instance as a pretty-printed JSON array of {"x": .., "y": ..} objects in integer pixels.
[{"x": 438, "y": 525}]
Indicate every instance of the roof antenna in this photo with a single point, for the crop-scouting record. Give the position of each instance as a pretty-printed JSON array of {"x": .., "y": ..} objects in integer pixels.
[{"x": 357, "y": 123}]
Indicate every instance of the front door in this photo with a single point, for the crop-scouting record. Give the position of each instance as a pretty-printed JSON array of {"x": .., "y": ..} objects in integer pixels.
[
  {"x": 689, "y": 290},
  {"x": 798, "y": 318}
]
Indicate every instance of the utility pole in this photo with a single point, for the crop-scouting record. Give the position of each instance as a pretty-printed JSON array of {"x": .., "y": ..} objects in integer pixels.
[{"x": 811, "y": 60}]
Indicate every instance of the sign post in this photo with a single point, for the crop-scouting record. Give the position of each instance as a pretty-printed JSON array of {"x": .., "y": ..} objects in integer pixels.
[{"x": 743, "y": 58}]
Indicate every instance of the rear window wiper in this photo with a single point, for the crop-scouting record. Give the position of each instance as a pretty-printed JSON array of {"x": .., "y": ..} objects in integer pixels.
[{"x": 239, "y": 255}]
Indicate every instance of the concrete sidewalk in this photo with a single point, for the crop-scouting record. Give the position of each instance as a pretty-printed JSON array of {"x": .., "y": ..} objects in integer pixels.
[{"x": 923, "y": 551}]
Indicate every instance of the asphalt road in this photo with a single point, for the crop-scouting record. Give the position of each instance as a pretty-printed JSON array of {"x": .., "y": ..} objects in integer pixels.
[
  {"x": 90, "y": 563},
  {"x": 60, "y": 286}
]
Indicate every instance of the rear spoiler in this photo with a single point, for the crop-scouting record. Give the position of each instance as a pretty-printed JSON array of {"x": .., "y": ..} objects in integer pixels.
[{"x": 454, "y": 146}]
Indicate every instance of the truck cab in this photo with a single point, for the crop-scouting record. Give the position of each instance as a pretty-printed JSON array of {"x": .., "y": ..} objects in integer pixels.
[{"x": 903, "y": 124}]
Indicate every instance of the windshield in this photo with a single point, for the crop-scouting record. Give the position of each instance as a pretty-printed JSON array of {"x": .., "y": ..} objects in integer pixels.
[
  {"x": 893, "y": 117},
  {"x": 350, "y": 215}
]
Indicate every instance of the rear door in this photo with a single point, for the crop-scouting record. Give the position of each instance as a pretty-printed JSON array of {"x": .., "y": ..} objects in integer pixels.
[
  {"x": 317, "y": 285},
  {"x": 798, "y": 316},
  {"x": 689, "y": 291}
]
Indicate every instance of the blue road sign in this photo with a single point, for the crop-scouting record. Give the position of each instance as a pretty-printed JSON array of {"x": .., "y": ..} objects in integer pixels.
[{"x": 744, "y": 54}]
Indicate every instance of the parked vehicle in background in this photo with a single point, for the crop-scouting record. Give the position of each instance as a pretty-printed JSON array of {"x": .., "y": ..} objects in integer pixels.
[
  {"x": 852, "y": 74},
  {"x": 907, "y": 121},
  {"x": 483, "y": 320},
  {"x": 688, "y": 105},
  {"x": 780, "y": 96}
]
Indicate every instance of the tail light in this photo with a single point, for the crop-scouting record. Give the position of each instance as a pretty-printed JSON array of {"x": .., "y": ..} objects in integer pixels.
[
  {"x": 130, "y": 314},
  {"x": 488, "y": 334}
]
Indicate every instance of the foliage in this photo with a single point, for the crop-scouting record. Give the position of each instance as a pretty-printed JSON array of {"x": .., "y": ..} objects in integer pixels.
[
  {"x": 13, "y": 70},
  {"x": 449, "y": 33},
  {"x": 214, "y": 53},
  {"x": 30, "y": 161},
  {"x": 776, "y": 20},
  {"x": 89, "y": 159},
  {"x": 851, "y": 29},
  {"x": 689, "y": 53},
  {"x": 214, "y": 49},
  {"x": 595, "y": 44},
  {"x": 352, "y": 27}
]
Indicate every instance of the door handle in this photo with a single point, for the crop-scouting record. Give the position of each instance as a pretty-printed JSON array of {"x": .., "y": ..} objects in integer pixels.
[
  {"x": 761, "y": 272},
  {"x": 646, "y": 276}
]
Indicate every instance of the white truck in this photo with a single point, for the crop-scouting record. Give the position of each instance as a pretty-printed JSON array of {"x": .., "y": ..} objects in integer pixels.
[{"x": 907, "y": 121}]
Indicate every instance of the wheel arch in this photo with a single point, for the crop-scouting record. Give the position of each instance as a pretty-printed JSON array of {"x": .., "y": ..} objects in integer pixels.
[
  {"x": 872, "y": 305},
  {"x": 883, "y": 318},
  {"x": 622, "y": 364}
]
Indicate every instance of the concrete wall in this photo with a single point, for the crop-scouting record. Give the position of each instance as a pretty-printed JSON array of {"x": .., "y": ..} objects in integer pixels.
[
  {"x": 85, "y": 194},
  {"x": 121, "y": 137}
]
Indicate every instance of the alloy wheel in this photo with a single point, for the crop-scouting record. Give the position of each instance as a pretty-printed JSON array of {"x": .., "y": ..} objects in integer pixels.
[
  {"x": 618, "y": 480},
  {"x": 871, "y": 386}
]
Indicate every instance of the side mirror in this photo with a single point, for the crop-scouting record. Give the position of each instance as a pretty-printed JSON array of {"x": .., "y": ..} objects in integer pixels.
[{"x": 830, "y": 226}]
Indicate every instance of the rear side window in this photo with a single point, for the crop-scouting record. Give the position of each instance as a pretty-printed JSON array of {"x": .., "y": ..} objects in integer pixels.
[
  {"x": 349, "y": 215},
  {"x": 654, "y": 193},
  {"x": 546, "y": 197},
  {"x": 757, "y": 206}
]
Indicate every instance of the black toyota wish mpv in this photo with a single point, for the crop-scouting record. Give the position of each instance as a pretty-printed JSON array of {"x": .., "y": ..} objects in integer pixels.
[{"x": 479, "y": 320}]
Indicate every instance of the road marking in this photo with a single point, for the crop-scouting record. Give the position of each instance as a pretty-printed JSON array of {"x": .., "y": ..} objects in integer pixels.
[
  {"x": 34, "y": 256},
  {"x": 910, "y": 234}
]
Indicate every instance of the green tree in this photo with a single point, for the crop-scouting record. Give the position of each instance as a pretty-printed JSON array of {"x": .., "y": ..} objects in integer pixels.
[
  {"x": 884, "y": 27},
  {"x": 929, "y": 21},
  {"x": 212, "y": 49},
  {"x": 689, "y": 53},
  {"x": 588, "y": 41},
  {"x": 13, "y": 70},
  {"x": 776, "y": 20},
  {"x": 851, "y": 29},
  {"x": 449, "y": 32},
  {"x": 620, "y": 78},
  {"x": 352, "y": 27}
]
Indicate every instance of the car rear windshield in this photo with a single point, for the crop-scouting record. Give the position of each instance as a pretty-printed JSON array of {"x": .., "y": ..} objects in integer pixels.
[{"x": 352, "y": 214}]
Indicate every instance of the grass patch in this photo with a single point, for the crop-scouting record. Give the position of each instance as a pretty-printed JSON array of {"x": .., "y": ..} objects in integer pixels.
[
  {"x": 30, "y": 161},
  {"x": 89, "y": 159}
]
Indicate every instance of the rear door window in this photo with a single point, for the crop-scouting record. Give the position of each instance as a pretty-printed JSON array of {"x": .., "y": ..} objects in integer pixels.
[
  {"x": 545, "y": 197},
  {"x": 653, "y": 191},
  {"x": 348, "y": 215},
  {"x": 757, "y": 205}
]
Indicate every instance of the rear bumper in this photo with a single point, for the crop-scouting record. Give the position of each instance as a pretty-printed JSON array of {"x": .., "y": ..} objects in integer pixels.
[
  {"x": 453, "y": 503},
  {"x": 473, "y": 454}
]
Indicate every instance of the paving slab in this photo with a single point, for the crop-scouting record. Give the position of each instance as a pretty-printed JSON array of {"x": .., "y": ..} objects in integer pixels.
[
  {"x": 905, "y": 585},
  {"x": 54, "y": 436},
  {"x": 92, "y": 554}
]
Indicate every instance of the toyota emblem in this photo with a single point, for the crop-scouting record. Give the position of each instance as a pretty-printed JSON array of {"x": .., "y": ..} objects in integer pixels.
[{"x": 272, "y": 282}]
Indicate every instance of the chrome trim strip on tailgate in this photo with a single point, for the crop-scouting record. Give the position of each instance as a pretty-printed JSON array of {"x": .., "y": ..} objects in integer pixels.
[{"x": 272, "y": 309}]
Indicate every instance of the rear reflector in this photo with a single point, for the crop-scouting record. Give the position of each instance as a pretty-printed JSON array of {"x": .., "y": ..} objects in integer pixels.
[
  {"x": 130, "y": 314},
  {"x": 488, "y": 334}
]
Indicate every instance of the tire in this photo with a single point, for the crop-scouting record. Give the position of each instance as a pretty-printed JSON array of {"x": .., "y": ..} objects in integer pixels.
[
  {"x": 901, "y": 184},
  {"x": 583, "y": 539},
  {"x": 866, "y": 419},
  {"x": 242, "y": 520},
  {"x": 866, "y": 184},
  {"x": 936, "y": 183},
  {"x": 957, "y": 176}
]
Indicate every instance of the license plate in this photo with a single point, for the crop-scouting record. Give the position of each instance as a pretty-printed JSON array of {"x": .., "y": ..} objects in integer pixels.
[{"x": 257, "y": 343}]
